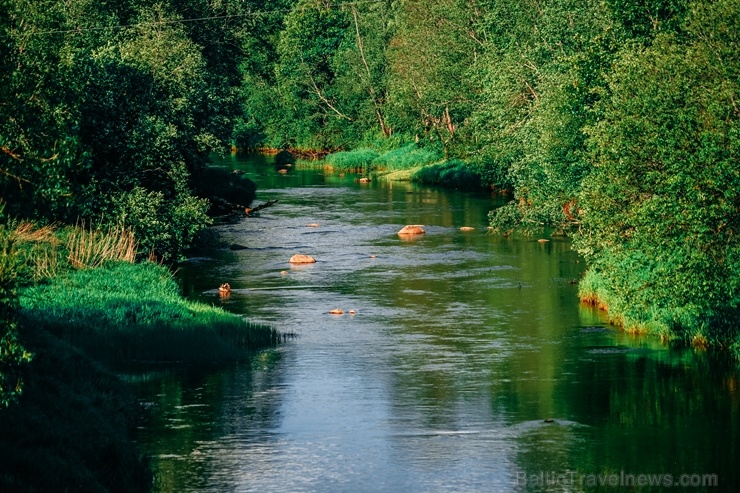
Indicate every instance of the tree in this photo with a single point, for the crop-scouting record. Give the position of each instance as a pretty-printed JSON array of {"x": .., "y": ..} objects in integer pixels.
[
  {"x": 435, "y": 44},
  {"x": 541, "y": 73},
  {"x": 660, "y": 209}
]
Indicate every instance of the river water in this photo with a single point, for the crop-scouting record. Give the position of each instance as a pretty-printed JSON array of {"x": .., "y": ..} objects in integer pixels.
[{"x": 469, "y": 365}]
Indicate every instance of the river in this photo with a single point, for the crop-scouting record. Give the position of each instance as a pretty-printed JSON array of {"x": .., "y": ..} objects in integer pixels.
[{"x": 468, "y": 364}]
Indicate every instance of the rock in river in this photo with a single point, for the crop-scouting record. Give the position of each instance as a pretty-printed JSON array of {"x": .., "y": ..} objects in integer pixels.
[
  {"x": 412, "y": 229},
  {"x": 299, "y": 258}
]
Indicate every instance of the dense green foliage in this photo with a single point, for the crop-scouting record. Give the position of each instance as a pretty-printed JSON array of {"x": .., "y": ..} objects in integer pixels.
[
  {"x": 110, "y": 110},
  {"x": 450, "y": 174},
  {"x": 612, "y": 120},
  {"x": 12, "y": 354},
  {"x": 661, "y": 207}
]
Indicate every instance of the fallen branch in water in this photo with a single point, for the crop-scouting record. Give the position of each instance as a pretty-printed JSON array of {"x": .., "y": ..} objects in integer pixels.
[{"x": 251, "y": 210}]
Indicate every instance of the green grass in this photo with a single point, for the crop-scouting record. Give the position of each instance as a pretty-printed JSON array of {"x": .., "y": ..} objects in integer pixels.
[
  {"x": 367, "y": 160},
  {"x": 358, "y": 159},
  {"x": 408, "y": 156},
  {"x": 134, "y": 312}
]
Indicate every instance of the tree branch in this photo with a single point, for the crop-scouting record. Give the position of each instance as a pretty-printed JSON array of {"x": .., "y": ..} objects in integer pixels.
[{"x": 317, "y": 91}]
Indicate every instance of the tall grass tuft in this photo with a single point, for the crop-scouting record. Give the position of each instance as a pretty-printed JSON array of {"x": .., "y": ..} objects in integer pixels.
[
  {"x": 36, "y": 249},
  {"x": 89, "y": 248},
  {"x": 405, "y": 157},
  {"x": 356, "y": 160}
]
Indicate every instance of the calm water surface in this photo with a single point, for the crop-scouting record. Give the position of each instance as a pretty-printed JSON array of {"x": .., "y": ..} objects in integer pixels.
[{"x": 462, "y": 345}]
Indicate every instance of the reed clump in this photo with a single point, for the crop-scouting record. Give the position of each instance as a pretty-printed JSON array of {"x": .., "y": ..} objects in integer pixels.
[
  {"x": 44, "y": 251},
  {"x": 89, "y": 247}
]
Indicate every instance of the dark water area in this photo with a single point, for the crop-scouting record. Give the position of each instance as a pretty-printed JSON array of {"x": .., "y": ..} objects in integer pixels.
[{"x": 469, "y": 365}]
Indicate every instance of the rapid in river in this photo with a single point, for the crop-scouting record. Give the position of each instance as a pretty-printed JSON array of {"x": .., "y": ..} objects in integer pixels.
[{"x": 466, "y": 365}]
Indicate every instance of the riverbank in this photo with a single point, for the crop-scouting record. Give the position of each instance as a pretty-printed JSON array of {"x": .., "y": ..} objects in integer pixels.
[
  {"x": 82, "y": 310},
  {"x": 410, "y": 162},
  {"x": 691, "y": 325}
]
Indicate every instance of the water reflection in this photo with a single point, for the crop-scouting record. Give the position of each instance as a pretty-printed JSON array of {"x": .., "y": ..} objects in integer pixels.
[{"x": 462, "y": 347}]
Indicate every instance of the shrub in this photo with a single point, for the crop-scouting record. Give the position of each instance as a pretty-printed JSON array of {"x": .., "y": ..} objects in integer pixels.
[
  {"x": 449, "y": 174},
  {"x": 13, "y": 356},
  {"x": 165, "y": 227}
]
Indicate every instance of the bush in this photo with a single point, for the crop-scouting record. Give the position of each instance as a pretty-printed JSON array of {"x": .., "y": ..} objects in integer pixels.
[
  {"x": 13, "y": 356},
  {"x": 661, "y": 206},
  {"x": 449, "y": 174},
  {"x": 165, "y": 227}
]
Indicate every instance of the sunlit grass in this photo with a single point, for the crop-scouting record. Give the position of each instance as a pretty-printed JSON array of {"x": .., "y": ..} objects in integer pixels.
[
  {"x": 360, "y": 160},
  {"x": 89, "y": 247},
  {"x": 367, "y": 160},
  {"x": 405, "y": 157},
  {"x": 134, "y": 312}
]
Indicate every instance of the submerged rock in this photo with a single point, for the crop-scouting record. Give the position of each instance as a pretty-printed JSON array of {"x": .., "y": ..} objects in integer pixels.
[
  {"x": 300, "y": 258},
  {"x": 412, "y": 229}
]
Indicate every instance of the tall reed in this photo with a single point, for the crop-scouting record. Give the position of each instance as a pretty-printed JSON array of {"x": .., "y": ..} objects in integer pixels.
[{"x": 90, "y": 248}]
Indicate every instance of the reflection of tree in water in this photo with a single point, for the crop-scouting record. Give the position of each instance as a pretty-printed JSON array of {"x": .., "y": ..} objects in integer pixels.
[
  {"x": 641, "y": 411},
  {"x": 195, "y": 422}
]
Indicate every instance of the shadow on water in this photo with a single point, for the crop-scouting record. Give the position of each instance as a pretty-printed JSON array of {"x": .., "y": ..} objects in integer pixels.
[{"x": 462, "y": 361}]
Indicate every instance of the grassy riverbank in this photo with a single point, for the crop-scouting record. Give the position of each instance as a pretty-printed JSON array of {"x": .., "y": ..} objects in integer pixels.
[
  {"x": 79, "y": 306},
  {"x": 134, "y": 312},
  {"x": 636, "y": 310},
  {"x": 409, "y": 162}
]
